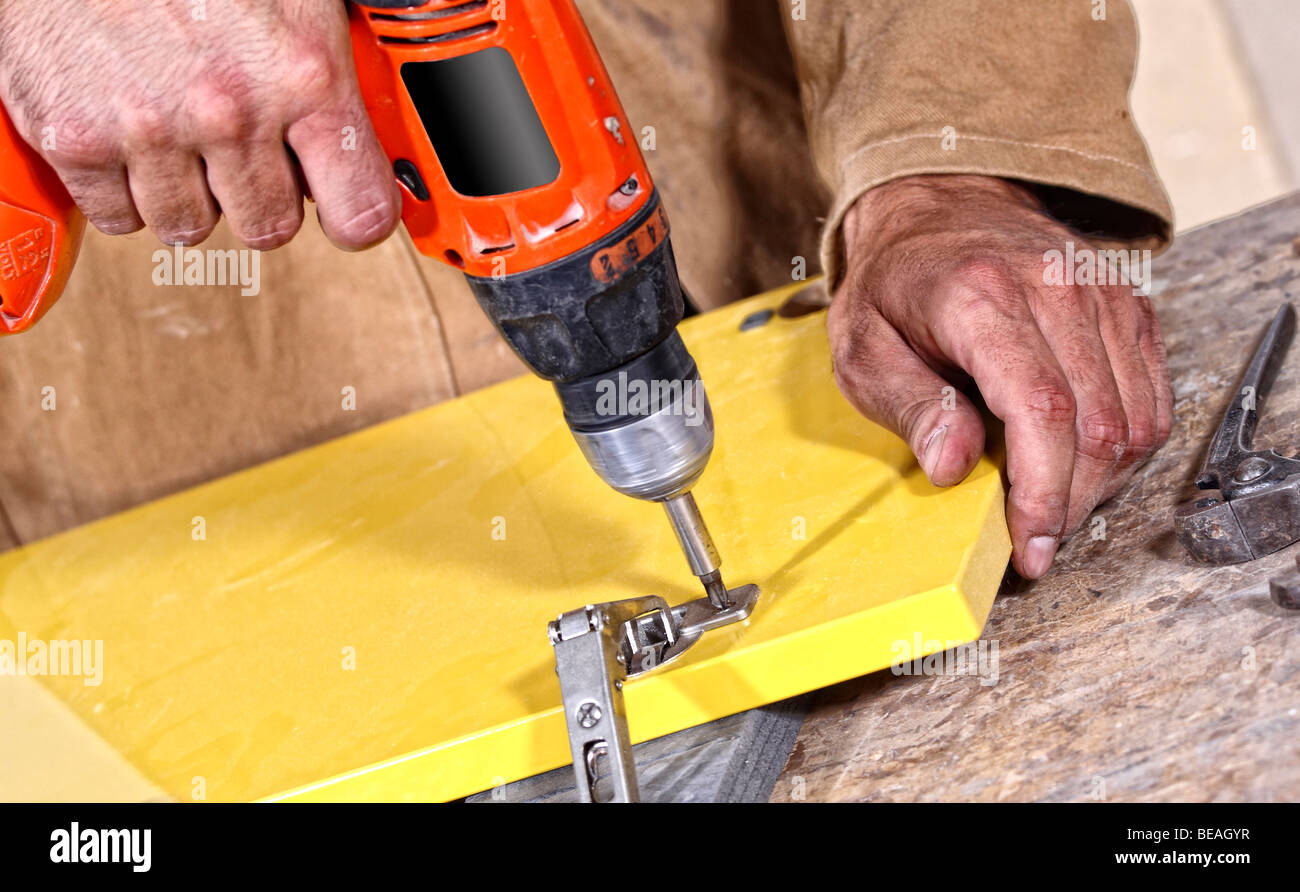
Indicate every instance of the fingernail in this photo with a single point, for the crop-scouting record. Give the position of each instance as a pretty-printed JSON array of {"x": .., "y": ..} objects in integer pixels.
[
  {"x": 933, "y": 450},
  {"x": 1038, "y": 555}
]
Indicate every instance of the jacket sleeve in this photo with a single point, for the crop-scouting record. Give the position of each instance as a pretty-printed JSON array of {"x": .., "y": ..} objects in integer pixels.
[{"x": 1032, "y": 90}]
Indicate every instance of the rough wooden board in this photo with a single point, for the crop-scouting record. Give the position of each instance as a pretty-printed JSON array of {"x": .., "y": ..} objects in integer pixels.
[
  {"x": 1128, "y": 672},
  {"x": 733, "y": 759}
]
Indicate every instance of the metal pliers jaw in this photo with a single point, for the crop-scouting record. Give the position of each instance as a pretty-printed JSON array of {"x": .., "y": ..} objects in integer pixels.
[{"x": 1257, "y": 509}]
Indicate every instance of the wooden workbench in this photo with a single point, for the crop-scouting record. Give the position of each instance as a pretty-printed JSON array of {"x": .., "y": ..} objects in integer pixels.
[{"x": 1128, "y": 672}]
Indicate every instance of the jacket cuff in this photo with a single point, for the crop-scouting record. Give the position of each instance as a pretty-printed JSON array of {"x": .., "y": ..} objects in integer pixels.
[{"x": 1119, "y": 202}]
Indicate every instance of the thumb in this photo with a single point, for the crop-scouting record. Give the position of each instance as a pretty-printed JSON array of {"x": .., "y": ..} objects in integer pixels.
[{"x": 884, "y": 379}]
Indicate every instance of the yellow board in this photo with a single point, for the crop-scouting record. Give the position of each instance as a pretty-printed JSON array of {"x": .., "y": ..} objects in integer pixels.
[{"x": 367, "y": 619}]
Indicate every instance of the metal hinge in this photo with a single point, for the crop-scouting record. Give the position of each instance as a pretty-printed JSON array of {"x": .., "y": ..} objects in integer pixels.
[{"x": 597, "y": 648}]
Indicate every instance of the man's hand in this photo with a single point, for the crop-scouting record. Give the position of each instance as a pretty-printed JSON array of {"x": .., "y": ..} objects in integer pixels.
[
  {"x": 945, "y": 278},
  {"x": 168, "y": 114}
]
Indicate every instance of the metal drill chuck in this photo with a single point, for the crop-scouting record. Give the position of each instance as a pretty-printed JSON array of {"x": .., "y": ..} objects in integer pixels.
[
  {"x": 646, "y": 429},
  {"x": 653, "y": 457},
  {"x": 659, "y": 458},
  {"x": 645, "y": 426}
]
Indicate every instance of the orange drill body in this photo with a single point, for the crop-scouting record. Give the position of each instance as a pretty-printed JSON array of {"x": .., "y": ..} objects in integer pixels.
[
  {"x": 40, "y": 233},
  {"x": 543, "y": 47}
]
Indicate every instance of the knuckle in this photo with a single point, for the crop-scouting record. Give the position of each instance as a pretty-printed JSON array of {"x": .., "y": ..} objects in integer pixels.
[
  {"x": 990, "y": 312},
  {"x": 1144, "y": 436},
  {"x": 78, "y": 144},
  {"x": 375, "y": 217},
  {"x": 987, "y": 274},
  {"x": 219, "y": 112},
  {"x": 1147, "y": 329},
  {"x": 910, "y": 415},
  {"x": 183, "y": 235},
  {"x": 853, "y": 335},
  {"x": 1045, "y": 510},
  {"x": 1050, "y": 402},
  {"x": 272, "y": 233},
  {"x": 978, "y": 303},
  {"x": 116, "y": 224},
  {"x": 1104, "y": 433},
  {"x": 309, "y": 75},
  {"x": 104, "y": 201},
  {"x": 1149, "y": 434},
  {"x": 147, "y": 127},
  {"x": 850, "y": 346}
]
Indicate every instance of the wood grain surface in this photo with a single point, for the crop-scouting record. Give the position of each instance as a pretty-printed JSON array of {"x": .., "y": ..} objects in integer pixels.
[{"x": 1127, "y": 673}]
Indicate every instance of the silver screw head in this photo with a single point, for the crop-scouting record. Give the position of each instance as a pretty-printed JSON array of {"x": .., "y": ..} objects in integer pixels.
[{"x": 589, "y": 714}]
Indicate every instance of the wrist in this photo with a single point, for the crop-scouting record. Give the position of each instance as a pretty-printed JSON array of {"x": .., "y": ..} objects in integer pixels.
[{"x": 909, "y": 202}]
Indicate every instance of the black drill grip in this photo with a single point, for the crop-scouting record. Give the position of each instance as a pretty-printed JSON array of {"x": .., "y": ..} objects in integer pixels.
[{"x": 595, "y": 310}]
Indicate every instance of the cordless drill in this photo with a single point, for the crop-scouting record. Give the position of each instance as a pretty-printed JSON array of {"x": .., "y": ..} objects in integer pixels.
[{"x": 517, "y": 166}]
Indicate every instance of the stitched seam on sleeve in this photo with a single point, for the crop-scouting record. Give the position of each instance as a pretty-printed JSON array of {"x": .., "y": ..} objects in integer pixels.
[{"x": 997, "y": 139}]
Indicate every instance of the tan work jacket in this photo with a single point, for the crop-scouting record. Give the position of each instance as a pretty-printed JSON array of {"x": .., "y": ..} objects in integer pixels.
[{"x": 763, "y": 121}]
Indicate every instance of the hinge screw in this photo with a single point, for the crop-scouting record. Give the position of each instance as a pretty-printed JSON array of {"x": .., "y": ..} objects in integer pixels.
[{"x": 589, "y": 714}]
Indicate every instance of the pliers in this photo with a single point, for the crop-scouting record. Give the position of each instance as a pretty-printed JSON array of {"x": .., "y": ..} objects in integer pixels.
[{"x": 1257, "y": 509}]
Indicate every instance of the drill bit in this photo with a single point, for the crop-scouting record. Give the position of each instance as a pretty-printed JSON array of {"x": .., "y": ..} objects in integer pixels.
[{"x": 698, "y": 546}]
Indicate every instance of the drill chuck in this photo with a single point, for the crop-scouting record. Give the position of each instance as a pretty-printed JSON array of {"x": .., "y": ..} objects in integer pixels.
[
  {"x": 654, "y": 457},
  {"x": 646, "y": 427}
]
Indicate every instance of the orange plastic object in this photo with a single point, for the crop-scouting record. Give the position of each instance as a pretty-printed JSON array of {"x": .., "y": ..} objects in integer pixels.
[
  {"x": 40, "y": 233},
  {"x": 574, "y": 100}
]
